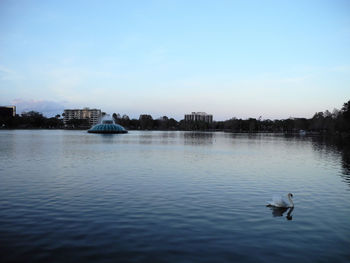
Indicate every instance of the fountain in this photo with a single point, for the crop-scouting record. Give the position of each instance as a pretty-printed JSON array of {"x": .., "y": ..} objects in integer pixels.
[{"x": 108, "y": 126}]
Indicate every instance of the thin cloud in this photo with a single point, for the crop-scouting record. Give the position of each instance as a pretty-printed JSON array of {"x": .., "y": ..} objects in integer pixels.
[
  {"x": 47, "y": 108},
  {"x": 7, "y": 73}
]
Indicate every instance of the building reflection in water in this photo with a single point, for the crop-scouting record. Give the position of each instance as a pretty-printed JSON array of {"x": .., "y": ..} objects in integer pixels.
[{"x": 199, "y": 138}]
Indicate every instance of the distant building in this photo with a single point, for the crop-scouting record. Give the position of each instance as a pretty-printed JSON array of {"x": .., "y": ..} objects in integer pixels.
[
  {"x": 199, "y": 116},
  {"x": 7, "y": 111},
  {"x": 92, "y": 115}
]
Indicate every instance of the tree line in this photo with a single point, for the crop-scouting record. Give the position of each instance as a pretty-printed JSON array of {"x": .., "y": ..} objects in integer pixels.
[
  {"x": 322, "y": 122},
  {"x": 31, "y": 120},
  {"x": 337, "y": 121}
]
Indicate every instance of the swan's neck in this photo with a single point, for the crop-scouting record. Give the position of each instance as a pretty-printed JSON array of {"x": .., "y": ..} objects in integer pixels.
[{"x": 290, "y": 201}]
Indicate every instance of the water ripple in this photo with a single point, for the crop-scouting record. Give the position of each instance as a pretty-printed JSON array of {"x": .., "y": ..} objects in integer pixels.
[{"x": 170, "y": 197}]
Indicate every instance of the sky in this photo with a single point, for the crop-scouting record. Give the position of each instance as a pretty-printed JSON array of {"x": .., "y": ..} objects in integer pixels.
[{"x": 274, "y": 59}]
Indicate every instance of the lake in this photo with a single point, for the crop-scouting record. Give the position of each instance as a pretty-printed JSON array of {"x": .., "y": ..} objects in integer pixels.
[{"x": 152, "y": 196}]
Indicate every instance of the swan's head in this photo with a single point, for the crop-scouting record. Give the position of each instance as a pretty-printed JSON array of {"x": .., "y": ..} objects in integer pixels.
[{"x": 290, "y": 195}]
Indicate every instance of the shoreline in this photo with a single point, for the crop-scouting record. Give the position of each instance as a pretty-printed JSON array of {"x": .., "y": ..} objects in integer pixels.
[{"x": 305, "y": 133}]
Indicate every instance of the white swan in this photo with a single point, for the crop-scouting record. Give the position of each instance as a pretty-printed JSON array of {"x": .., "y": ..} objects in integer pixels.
[{"x": 278, "y": 201}]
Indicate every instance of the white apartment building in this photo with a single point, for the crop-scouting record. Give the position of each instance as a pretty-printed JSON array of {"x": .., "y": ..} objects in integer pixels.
[
  {"x": 199, "y": 116},
  {"x": 93, "y": 115}
]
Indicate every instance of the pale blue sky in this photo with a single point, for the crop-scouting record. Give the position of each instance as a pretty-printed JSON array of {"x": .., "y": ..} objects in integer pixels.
[{"x": 275, "y": 59}]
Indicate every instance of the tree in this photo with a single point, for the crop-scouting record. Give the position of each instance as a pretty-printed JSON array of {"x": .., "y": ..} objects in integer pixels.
[
  {"x": 146, "y": 122},
  {"x": 78, "y": 123},
  {"x": 252, "y": 124},
  {"x": 317, "y": 121},
  {"x": 125, "y": 121},
  {"x": 335, "y": 113},
  {"x": 346, "y": 111},
  {"x": 54, "y": 123},
  {"x": 172, "y": 124},
  {"x": 33, "y": 119},
  {"x": 116, "y": 117},
  {"x": 345, "y": 117}
]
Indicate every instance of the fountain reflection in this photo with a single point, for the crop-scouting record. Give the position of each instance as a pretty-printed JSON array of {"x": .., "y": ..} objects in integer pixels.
[{"x": 279, "y": 211}]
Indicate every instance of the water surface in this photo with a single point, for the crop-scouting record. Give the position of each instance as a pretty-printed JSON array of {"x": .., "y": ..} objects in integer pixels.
[{"x": 171, "y": 197}]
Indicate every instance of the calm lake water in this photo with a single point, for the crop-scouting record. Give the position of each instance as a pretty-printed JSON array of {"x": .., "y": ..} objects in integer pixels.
[{"x": 70, "y": 196}]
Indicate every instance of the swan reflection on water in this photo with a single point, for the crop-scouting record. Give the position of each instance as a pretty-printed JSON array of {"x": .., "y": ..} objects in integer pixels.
[
  {"x": 279, "y": 205},
  {"x": 279, "y": 211}
]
